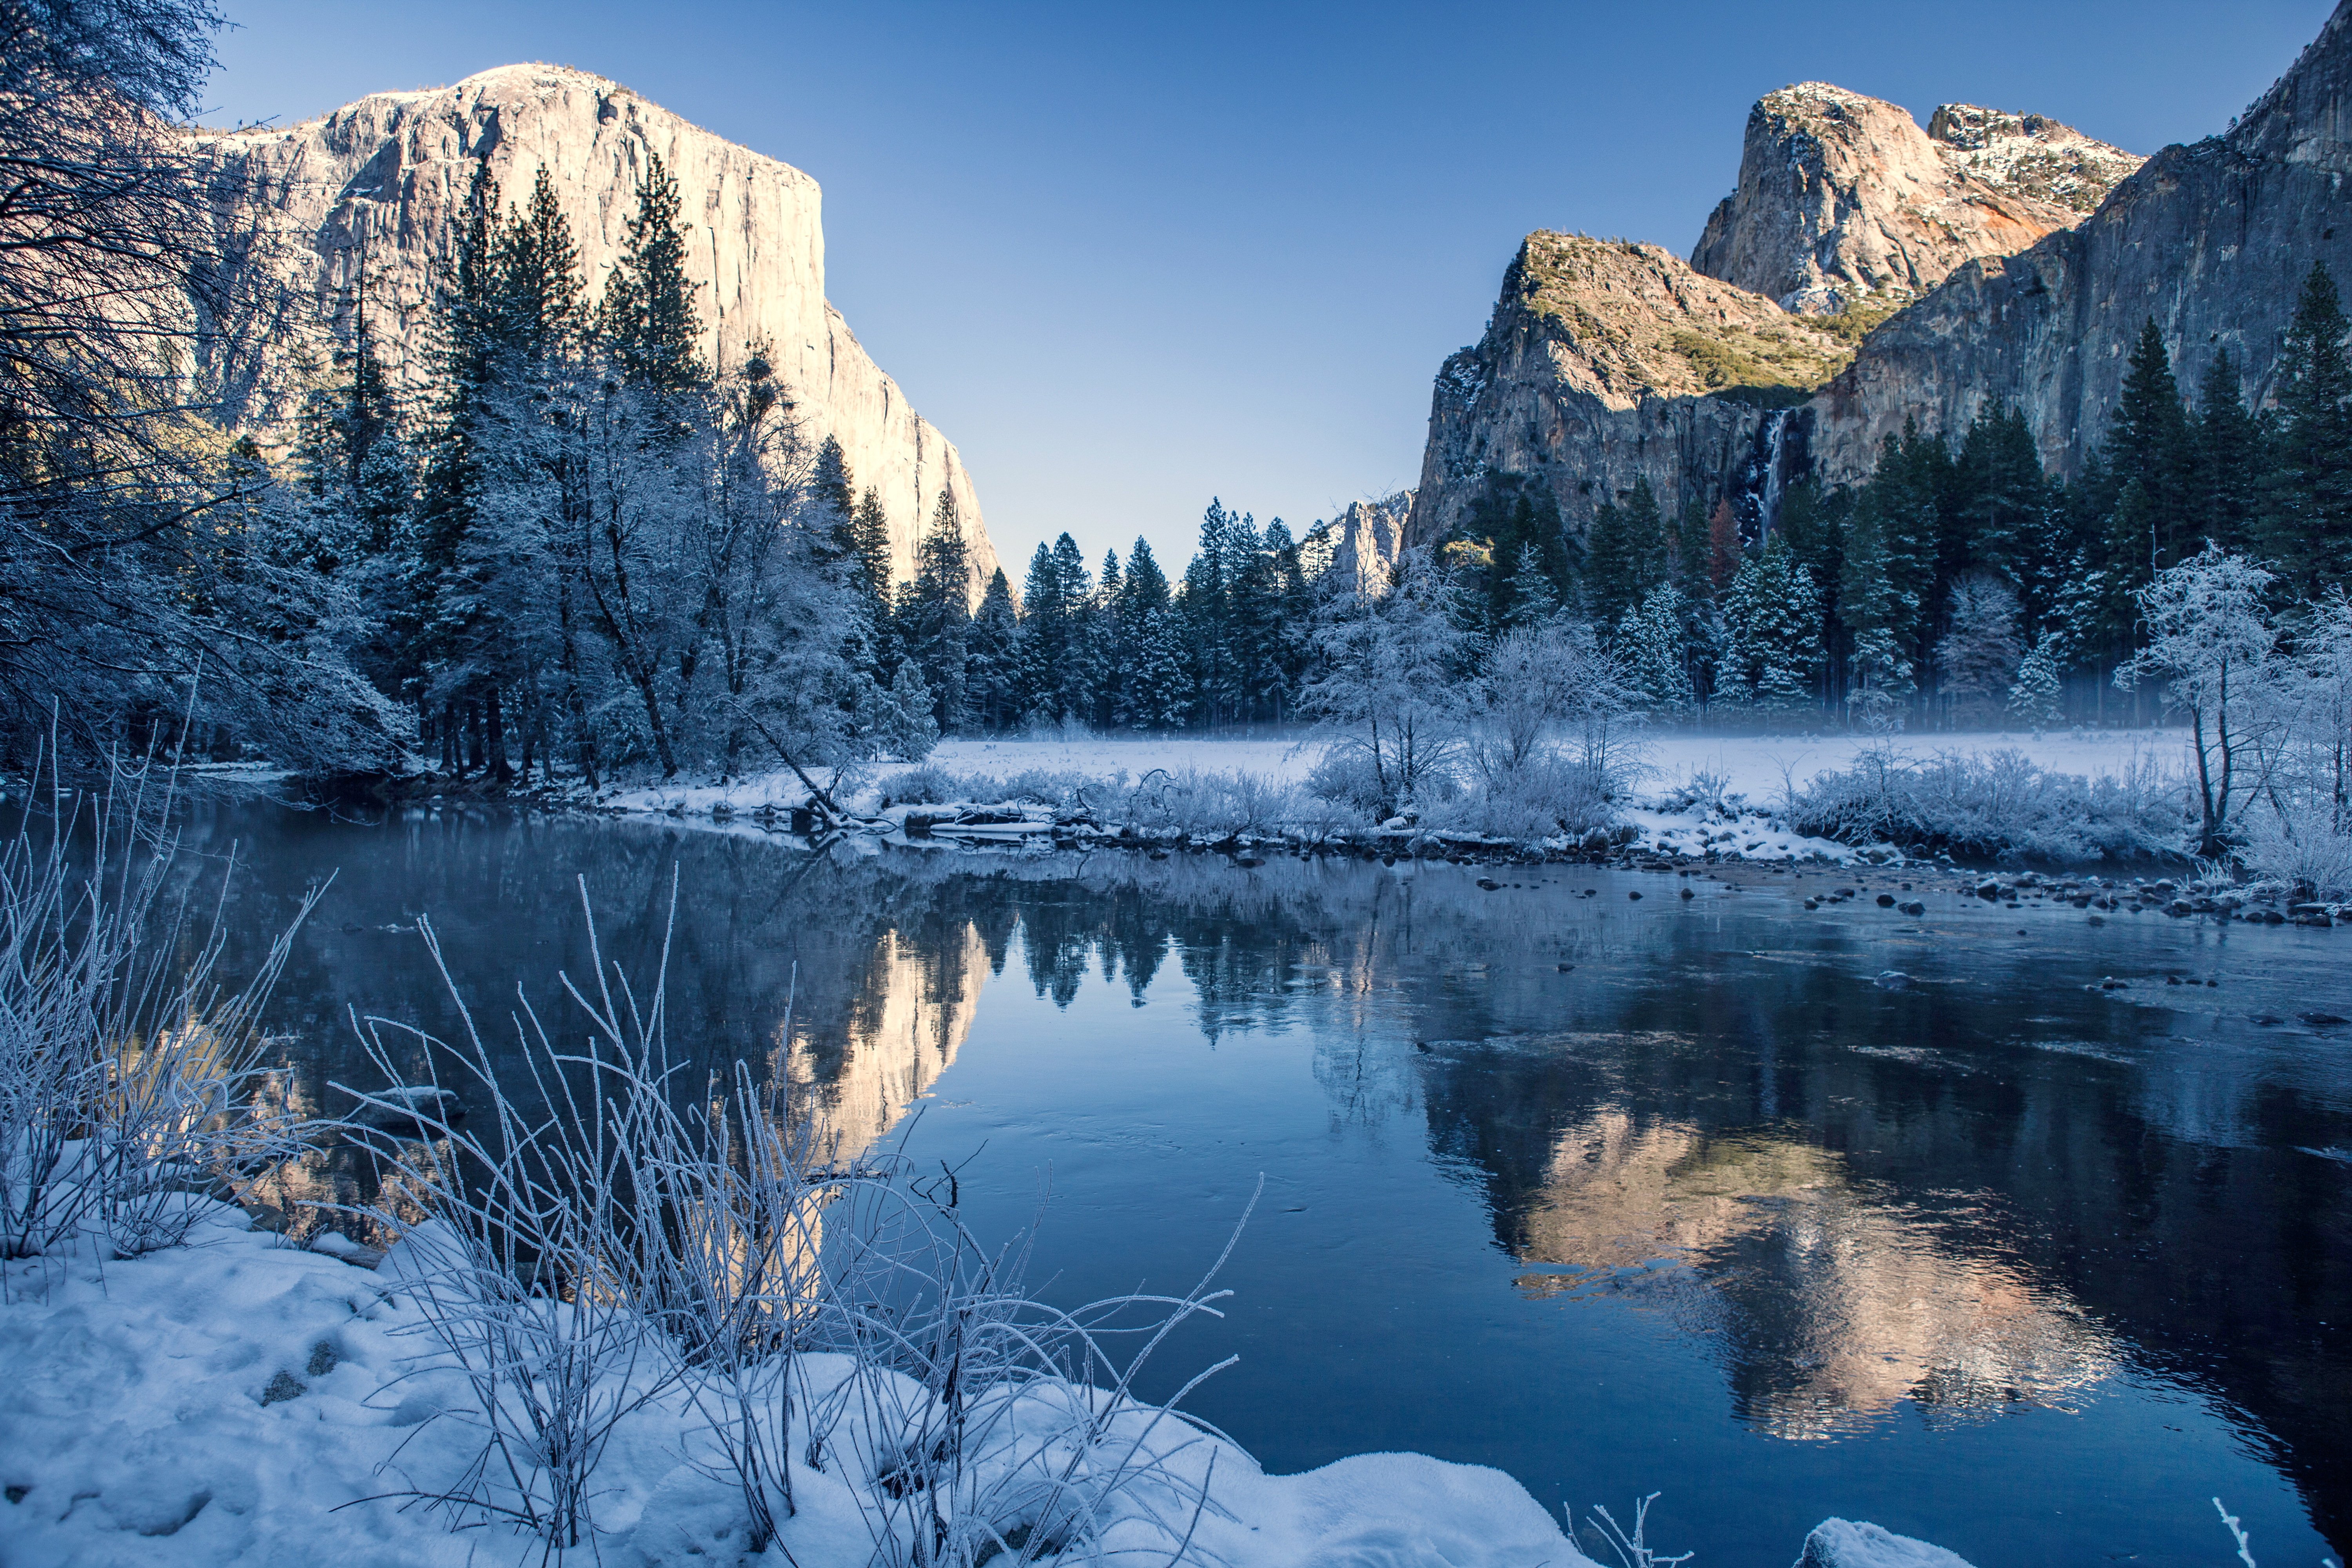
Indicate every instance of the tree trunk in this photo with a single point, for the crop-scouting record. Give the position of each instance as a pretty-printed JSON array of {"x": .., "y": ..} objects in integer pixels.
[{"x": 495, "y": 736}]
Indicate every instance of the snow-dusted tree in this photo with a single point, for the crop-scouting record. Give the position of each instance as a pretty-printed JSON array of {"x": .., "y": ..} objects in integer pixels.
[
  {"x": 137, "y": 543},
  {"x": 1656, "y": 654},
  {"x": 2036, "y": 696},
  {"x": 2207, "y": 638},
  {"x": 992, "y": 660},
  {"x": 898, "y": 721},
  {"x": 1148, "y": 678},
  {"x": 1977, "y": 656},
  {"x": 1772, "y": 634},
  {"x": 934, "y": 614},
  {"x": 1390, "y": 696},
  {"x": 1548, "y": 684}
]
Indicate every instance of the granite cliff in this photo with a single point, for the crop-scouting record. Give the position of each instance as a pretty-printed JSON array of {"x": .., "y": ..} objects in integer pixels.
[
  {"x": 2032, "y": 256},
  {"x": 380, "y": 183},
  {"x": 2211, "y": 241},
  {"x": 1843, "y": 200},
  {"x": 1607, "y": 361}
]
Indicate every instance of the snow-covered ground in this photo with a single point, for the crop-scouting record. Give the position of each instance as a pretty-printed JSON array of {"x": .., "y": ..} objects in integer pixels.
[
  {"x": 1664, "y": 814},
  {"x": 1760, "y": 766},
  {"x": 243, "y": 1401}
]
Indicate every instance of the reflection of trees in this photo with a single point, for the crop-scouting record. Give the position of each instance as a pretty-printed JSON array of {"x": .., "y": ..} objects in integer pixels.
[{"x": 1693, "y": 1061}]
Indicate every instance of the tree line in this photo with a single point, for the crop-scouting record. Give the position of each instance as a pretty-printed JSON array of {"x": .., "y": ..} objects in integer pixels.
[{"x": 1959, "y": 582}]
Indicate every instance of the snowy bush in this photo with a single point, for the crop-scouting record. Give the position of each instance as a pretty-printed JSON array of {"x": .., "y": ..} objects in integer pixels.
[
  {"x": 1548, "y": 794},
  {"x": 1345, "y": 776},
  {"x": 1202, "y": 801},
  {"x": 600, "y": 1236},
  {"x": 128, "y": 1075},
  {"x": 2000, "y": 804}
]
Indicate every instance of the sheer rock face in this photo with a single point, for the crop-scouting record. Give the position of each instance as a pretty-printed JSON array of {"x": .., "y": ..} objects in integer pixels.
[
  {"x": 2212, "y": 242},
  {"x": 1605, "y": 363},
  {"x": 1365, "y": 540},
  {"x": 383, "y": 182},
  {"x": 1842, "y": 196}
]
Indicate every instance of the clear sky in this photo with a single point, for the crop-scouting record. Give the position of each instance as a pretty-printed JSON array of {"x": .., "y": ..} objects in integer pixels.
[{"x": 1128, "y": 256}]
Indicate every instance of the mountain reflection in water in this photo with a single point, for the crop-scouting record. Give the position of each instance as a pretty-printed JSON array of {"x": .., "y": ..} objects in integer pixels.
[
  {"x": 1612, "y": 1194},
  {"x": 1833, "y": 1303}
]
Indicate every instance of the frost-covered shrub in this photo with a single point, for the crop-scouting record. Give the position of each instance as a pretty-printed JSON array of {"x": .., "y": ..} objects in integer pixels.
[
  {"x": 598, "y": 1235},
  {"x": 1194, "y": 800},
  {"x": 2303, "y": 849},
  {"x": 931, "y": 785},
  {"x": 1546, "y": 795},
  {"x": 130, "y": 1077},
  {"x": 1346, "y": 777},
  {"x": 2000, "y": 804}
]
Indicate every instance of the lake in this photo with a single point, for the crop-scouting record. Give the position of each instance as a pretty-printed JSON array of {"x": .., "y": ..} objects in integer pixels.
[{"x": 1617, "y": 1194}]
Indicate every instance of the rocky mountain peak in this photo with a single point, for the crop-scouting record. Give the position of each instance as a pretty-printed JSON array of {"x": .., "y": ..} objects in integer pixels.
[
  {"x": 1844, "y": 201},
  {"x": 2029, "y": 155},
  {"x": 1626, "y": 321},
  {"x": 359, "y": 209}
]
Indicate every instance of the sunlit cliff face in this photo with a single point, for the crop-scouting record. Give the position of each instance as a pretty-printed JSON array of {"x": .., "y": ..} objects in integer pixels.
[
  {"x": 1833, "y": 1307},
  {"x": 914, "y": 1015}
]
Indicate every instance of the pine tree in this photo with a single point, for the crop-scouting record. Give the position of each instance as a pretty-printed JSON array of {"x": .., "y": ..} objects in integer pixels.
[
  {"x": 1149, "y": 684},
  {"x": 991, "y": 655},
  {"x": 1044, "y": 638},
  {"x": 2002, "y": 494},
  {"x": 2229, "y": 458},
  {"x": 870, "y": 541},
  {"x": 1071, "y": 677},
  {"x": 540, "y": 293},
  {"x": 1205, "y": 613},
  {"x": 1880, "y": 674},
  {"x": 2308, "y": 526},
  {"x": 835, "y": 490},
  {"x": 1104, "y": 660},
  {"x": 1512, "y": 516},
  {"x": 1625, "y": 556},
  {"x": 1656, "y": 660},
  {"x": 1531, "y": 599},
  {"x": 2150, "y": 457},
  {"x": 647, "y": 318},
  {"x": 1772, "y": 632},
  {"x": 935, "y": 612},
  {"x": 2036, "y": 696}
]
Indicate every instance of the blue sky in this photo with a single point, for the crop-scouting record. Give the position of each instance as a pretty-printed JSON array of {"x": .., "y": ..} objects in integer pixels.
[{"x": 1131, "y": 256}]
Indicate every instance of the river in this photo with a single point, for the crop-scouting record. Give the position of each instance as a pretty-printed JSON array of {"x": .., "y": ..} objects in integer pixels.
[{"x": 1618, "y": 1195}]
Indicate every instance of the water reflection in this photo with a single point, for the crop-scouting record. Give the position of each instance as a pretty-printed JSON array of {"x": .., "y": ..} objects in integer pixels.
[
  {"x": 1834, "y": 1304},
  {"x": 2004, "y": 1191}
]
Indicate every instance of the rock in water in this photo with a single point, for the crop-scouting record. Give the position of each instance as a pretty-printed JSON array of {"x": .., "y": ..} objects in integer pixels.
[
  {"x": 384, "y": 182},
  {"x": 1838, "y": 1543},
  {"x": 1893, "y": 980}
]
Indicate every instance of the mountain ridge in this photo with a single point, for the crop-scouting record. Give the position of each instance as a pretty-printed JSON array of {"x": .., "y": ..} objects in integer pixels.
[
  {"x": 377, "y": 186},
  {"x": 2211, "y": 240}
]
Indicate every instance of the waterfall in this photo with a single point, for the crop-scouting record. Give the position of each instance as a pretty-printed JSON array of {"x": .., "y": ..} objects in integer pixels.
[{"x": 1776, "y": 473}]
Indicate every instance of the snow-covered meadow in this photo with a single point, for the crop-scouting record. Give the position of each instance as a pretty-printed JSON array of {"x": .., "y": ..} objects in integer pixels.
[{"x": 1682, "y": 793}]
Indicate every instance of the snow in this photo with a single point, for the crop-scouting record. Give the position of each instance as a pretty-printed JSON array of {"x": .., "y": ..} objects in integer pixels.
[
  {"x": 1751, "y": 776},
  {"x": 1838, "y": 1543},
  {"x": 1753, "y": 766},
  {"x": 242, "y": 1400}
]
